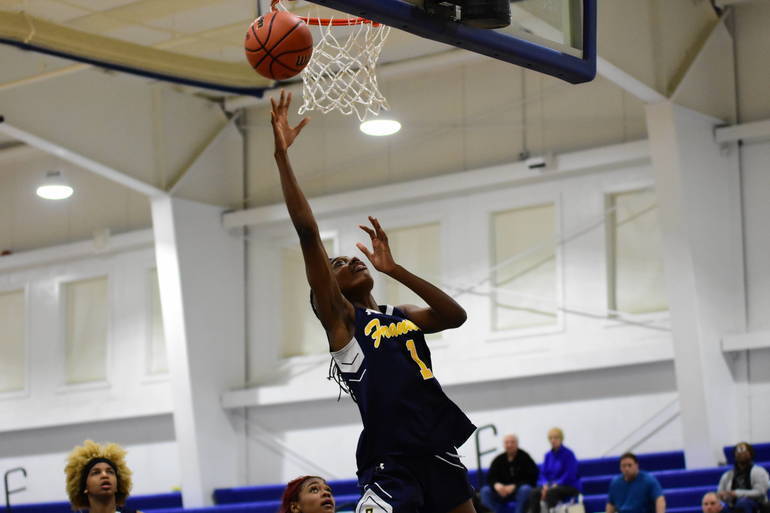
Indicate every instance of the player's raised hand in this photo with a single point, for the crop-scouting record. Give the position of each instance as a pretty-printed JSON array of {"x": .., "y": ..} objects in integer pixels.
[
  {"x": 380, "y": 255},
  {"x": 283, "y": 133}
]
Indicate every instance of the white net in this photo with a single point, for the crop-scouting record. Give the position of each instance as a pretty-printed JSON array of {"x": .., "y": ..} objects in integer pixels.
[{"x": 341, "y": 74}]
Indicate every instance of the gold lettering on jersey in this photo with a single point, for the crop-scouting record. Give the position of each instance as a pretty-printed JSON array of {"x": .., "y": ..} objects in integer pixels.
[{"x": 394, "y": 329}]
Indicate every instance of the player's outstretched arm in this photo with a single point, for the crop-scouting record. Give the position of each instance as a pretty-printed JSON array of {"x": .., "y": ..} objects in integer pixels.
[
  {"x": 336, "y": 312},
  {"x": 442, "y": 312}
]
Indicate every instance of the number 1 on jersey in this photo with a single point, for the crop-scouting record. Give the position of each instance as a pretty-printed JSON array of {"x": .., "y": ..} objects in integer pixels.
[{"x": 425, "y": 372}]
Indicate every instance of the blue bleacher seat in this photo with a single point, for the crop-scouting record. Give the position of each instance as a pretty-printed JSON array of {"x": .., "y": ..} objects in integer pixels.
[
  {"x": 41, "y": 507},
  {"x": 671, "y": 460},
  {"x": 273, "y": 492},
  {"x": 683, "y": 488},
  {"x": 157, "y": 501},
  {"x": 141, "y": 502}
]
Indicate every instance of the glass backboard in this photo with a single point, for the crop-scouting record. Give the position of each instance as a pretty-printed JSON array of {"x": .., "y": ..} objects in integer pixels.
[{"x": 557, "y": 37}]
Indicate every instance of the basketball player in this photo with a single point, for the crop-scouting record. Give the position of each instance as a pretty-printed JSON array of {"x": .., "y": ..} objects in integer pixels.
[
  {"x": 307, "y": 494},
  {"x": 407, "y": 452},
  {"x": 98, "y": 478}
]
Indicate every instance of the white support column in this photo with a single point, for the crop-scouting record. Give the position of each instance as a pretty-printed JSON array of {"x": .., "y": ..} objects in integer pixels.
[
  {"x": 697, "y": 183},
  {"x": 201, "y": 274}
]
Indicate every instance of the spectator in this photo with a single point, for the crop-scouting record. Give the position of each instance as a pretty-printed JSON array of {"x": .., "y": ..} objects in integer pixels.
[
  {"x": 744, "y": 487},
  {"x": 711, "y": 503},
  {"x": 511, "y": 477},
  {"x": 634, "y": 491},
  {"x": 307, "y": 494},
  {"x": 98, "y": 479},
  {"x": 559, "y": 479}
]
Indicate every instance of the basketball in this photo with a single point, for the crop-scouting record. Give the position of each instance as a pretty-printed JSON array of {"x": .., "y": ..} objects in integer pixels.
[{"x": 278, "y": 45}]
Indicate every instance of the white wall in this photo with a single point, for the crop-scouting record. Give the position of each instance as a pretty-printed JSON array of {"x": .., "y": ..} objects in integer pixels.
[
  {"x": 759, "y": 391},
  {"x": 600, "y": 381},
  {"x": 130, "y": 391},
  {"x": 149, "y": 441},
  {"x": 596, "y": 409},
  {"x": 755, "y": 159},
  {"x": 756, "y": 187},
  {"x": 40, "y": 425},
  {"x": 588, "y": 376}
]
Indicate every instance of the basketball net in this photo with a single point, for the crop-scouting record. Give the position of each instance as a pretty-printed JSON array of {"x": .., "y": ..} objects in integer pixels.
[{"x": 341, "y": 73}]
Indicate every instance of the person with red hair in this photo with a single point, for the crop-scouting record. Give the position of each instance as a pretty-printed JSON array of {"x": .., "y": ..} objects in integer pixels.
[{"x": 307, "y": 494}]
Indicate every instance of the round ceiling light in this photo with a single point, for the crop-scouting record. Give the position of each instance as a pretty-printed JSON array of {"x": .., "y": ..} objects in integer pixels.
[
  {"x": 380, "y": 127},
  {"x": 54, "y": 187}
]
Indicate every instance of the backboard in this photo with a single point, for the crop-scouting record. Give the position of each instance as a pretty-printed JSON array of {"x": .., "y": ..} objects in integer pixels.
[{"x": 557, "y": 37}]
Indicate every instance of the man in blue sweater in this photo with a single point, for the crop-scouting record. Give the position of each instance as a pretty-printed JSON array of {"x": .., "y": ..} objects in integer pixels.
[
  {"x": 634, "y": 491},
  {"x": 559, "y": 478}
]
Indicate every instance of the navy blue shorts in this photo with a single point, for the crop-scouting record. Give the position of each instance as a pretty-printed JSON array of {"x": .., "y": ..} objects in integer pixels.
[{"x": 416, "y": 484}]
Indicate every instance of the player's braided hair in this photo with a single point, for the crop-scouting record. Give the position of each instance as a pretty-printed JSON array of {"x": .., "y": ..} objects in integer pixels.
[
  {"x": 336, "y": 375},
  {"x": 334, "y": 371}
]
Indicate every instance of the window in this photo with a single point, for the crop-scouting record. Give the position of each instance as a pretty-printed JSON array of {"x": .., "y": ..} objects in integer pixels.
[
  {"x": 12, "y": 334},
  {"x": 302, "y": 331},
  {"x": 86, "y": 330},
  {"x": 157, "y": 360},
  {"x": 524, "y": 268},
  {"x": 635, "y": 277},
  {"x": 418, "y": 249}
]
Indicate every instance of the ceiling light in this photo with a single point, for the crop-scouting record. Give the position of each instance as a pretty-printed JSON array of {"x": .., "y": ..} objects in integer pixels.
[
  {"x": 54, "y": 187},
  {"x": 380, "y": 127}
]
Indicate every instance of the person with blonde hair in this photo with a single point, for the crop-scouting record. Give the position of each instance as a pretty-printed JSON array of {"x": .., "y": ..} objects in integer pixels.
[
  {"x": 559, "y": 479},
  {"x": 98, "y": 479}
]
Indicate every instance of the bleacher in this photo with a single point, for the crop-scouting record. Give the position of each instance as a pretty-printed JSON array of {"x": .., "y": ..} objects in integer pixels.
[{"x": 683, "y": 488}]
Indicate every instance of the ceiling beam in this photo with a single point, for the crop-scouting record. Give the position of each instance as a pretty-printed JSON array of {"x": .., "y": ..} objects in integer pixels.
[
  {"x": 628, "y": 83},
  {"x": 80, "y": 160},
  {"x": 216, "y": 135},
  {"x": 728, "y": 3},
  {"x": 744, "y": 132}
]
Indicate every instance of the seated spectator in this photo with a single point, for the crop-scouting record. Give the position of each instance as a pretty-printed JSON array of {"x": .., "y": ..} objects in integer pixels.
[
  {"x": 711, "y": 503},
  {"x": 634, "y": 491},
  {"x": 511, "y": 477},
  {"x": 307, "y": 494},
  {"x": 744, "y": 487},
  {"x": 559, "y": 479},
  {"x": 98, "y": 478}
]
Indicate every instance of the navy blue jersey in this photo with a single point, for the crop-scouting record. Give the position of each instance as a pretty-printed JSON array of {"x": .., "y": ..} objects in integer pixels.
[{"x": 387, "y": 367}]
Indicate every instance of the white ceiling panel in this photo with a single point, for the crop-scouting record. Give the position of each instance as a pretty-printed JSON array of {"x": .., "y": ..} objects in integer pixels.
[
  {"x": 133, "y": 33},
  {"x": 204, "y": 17},
  {"x": 53, "y": 10}
]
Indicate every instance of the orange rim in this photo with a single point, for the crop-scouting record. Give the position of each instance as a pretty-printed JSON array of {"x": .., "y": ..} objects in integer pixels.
[{"x": 329, "y": 22}]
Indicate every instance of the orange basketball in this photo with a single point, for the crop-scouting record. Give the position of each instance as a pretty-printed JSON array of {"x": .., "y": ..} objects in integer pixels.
[{"x": 278, "y": 45}]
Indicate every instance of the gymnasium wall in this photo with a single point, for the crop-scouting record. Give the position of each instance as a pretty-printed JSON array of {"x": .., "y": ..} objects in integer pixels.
[
  {"x": 756, "y": 185},
  {"x": 40, "y": 424},
  {"x": 152, "y": 455},
  {"x": 597, "y": 410},
  {"x": 608, "y": 386}
]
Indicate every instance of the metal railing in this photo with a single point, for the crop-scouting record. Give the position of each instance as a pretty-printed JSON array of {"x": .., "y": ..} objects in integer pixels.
[
  {"x": 480, "y": 453},
  {"x": 9, "y": 492}
]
